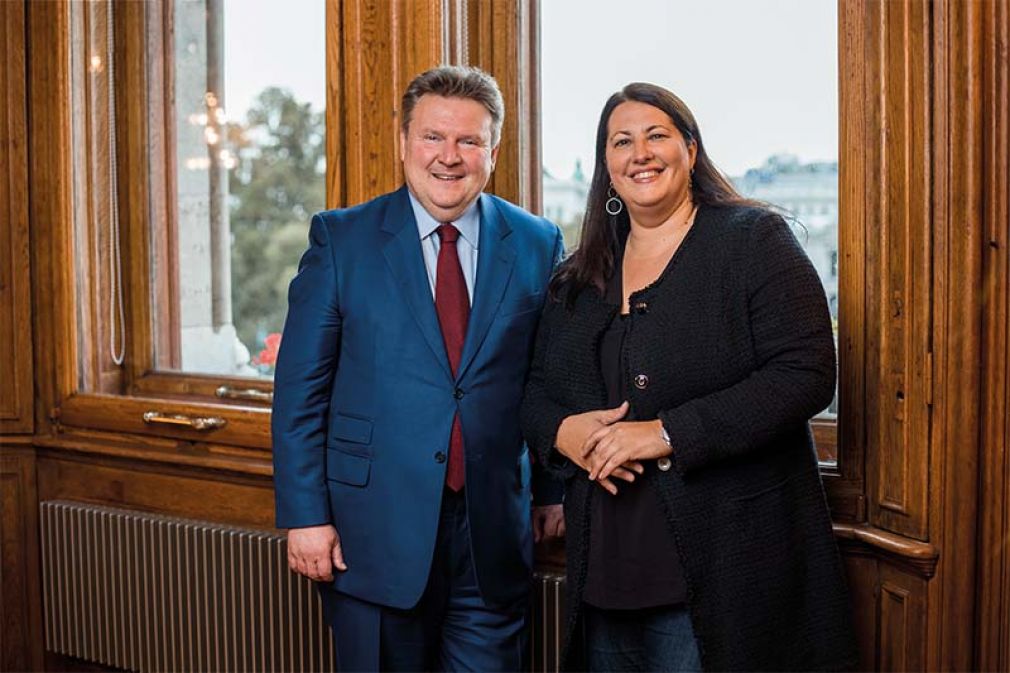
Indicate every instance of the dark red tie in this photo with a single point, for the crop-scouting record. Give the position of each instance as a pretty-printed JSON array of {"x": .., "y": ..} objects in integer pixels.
[{"x": 453, "y": 307}]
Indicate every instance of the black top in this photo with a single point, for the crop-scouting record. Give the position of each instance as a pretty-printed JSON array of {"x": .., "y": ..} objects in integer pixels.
[{"x": 633, "y": 560}]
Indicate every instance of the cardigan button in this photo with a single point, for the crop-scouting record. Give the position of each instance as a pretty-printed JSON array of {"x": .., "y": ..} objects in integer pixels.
[
  {"x": 641, "y": 381},
  {"x": 641, "y": 307},
  {"x": 664, "y": 464}
]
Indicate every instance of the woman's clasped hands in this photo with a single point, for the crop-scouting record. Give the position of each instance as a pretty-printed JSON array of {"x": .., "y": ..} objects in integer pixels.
[{"x": 608, "y": 448}]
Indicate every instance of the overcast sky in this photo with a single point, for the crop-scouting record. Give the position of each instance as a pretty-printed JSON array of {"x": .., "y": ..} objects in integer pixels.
[{"x": 759, "y": 75}]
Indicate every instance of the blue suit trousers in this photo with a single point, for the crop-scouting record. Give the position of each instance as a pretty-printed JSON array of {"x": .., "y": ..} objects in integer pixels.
[{"x": 450, "y": 629}]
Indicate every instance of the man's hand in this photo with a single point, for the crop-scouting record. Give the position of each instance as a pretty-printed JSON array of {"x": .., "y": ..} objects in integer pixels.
[
  {"x": 574, "y": 433},
  {"x": 610, "y": 448},
  {"x": 315, "y": 551},
  {"x": 548, "y": 521}
]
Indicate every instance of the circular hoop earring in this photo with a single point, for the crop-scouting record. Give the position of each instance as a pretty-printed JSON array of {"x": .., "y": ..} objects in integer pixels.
[{"x": 614, "y": 205}]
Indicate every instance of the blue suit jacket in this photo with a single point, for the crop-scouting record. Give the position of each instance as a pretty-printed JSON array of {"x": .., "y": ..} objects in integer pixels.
[{"x": 364, "y": 398}]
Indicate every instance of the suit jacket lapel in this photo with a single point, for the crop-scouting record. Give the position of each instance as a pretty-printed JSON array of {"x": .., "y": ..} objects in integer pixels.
[
  {"x": 495, "y": 257},
  {"x": 406, "y": 262}
]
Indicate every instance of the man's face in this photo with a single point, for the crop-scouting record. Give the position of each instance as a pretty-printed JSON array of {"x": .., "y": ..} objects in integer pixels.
[{"x": 447, "y": 154}]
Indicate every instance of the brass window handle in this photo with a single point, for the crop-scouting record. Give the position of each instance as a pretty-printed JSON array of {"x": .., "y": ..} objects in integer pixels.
[
  {"x": 194, "y": 422},
  {"x": 244, "y": 394}
]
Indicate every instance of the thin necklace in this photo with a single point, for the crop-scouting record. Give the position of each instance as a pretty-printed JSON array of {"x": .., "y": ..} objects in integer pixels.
[{"x": 678, "y": 235}]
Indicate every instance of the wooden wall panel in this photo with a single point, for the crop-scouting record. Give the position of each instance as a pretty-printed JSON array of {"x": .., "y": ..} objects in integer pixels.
[
  {"x": 16, "y": 392},
  {"x": 957, "y": 330},
  {"x": 20, "y": 585},
  {"x": 134, "y": 483},
  {"x": 993, "y": 583},
  {"x": 902, "y": 619},
  {"x": 861, "y": 573},
  {"x": 50, "y": 207},
  {"x": 899, "y": 264}
]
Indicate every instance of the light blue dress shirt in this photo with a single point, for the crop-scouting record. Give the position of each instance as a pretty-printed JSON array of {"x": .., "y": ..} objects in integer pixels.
[{"x": 466, "y": 245}]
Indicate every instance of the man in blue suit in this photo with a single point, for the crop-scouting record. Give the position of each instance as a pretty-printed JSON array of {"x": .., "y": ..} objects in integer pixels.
[{"x": 398, "y": 464}]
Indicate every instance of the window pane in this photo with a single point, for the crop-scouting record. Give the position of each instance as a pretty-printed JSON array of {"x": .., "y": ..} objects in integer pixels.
[
  {"x": 760, "y": 77},
  {"x": 247, "y": 152}
]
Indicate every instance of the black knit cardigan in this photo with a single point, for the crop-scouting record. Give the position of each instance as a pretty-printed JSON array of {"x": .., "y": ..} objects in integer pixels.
[{"x": 735, "y": 341}]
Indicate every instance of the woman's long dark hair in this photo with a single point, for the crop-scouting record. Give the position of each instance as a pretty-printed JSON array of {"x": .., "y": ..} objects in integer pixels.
[{"x": 592, "y": 262}]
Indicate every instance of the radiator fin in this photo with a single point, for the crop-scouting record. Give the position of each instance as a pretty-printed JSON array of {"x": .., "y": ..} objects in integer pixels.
[{"x": 546, "y": 629}]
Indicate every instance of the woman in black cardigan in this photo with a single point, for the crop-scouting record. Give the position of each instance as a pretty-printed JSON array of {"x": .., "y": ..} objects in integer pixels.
[{"x": 685, "y": 347}]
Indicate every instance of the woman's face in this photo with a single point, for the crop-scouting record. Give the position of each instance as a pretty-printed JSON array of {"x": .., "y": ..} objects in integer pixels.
[{"x": 648, "y": 160}]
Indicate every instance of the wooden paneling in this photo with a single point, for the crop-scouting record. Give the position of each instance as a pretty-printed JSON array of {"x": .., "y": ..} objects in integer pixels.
[
  {"x": 956, "y": 331},
  {"x": 20, "y": 586},
  {"x": 845, "y": 482},
  {"x": 898, "y": 262},
  {"x": 50, "y": 206},
  {"x": 15, "y": 294},
  {"x": 993, "y": 583},
  {"x": 137, "y": 483},
  {"x": 902, "y": 621},
  {"x": 861, "y": 573},
  {"x": 889, "y": 603}
]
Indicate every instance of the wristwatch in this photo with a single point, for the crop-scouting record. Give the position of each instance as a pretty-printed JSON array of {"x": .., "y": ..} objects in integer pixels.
[
  {"x": 664, "y": 464},
  {"x": 665, "y": 435}
]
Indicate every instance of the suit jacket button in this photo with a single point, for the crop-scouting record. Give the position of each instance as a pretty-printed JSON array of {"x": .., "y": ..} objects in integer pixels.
[
  {"x": 440, "y": 456},
  {"x": 664, "y": 464},
  {"x": 641, "y": 381},
  {"x": 458, "y": 393}
]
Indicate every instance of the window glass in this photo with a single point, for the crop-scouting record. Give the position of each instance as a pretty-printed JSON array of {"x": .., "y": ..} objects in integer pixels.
[
  {"x": 246, "y": 155},
  {"x": 760, "y": 77}
]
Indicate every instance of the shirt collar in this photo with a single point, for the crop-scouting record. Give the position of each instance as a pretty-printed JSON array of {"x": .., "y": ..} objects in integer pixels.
[{"x": 468, "y": 223}]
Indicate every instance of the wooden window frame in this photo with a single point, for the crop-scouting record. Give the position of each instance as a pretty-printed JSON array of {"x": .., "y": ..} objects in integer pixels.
[
  {"x": 458, "y": 31},
  {"x": 101, "y": 396}
]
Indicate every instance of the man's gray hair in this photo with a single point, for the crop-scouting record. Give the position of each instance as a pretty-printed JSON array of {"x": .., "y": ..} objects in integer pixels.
[{"x": 457, "y": 81}]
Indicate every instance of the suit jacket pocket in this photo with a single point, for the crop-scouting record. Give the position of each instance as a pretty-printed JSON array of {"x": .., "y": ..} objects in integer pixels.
[
  {"x": 347, "y": 468},
  {"x": 351, "y": 429}
]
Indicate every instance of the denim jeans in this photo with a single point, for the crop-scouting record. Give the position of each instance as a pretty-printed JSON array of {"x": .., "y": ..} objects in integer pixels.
[{"x": 650, "y": 639}]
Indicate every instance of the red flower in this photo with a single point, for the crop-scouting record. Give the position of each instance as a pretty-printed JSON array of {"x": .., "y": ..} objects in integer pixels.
[{"x": 268, "y": 356}]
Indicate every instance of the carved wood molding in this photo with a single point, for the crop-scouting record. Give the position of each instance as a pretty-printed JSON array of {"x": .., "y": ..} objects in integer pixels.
[{"x": 920, "y": 557}]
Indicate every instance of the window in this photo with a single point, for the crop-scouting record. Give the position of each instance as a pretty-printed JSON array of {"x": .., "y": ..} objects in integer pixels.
[
  {"x": 246, "y": 167},
  {"x": 191, "y": 206},
  {"x": 767, "y": 107}
]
